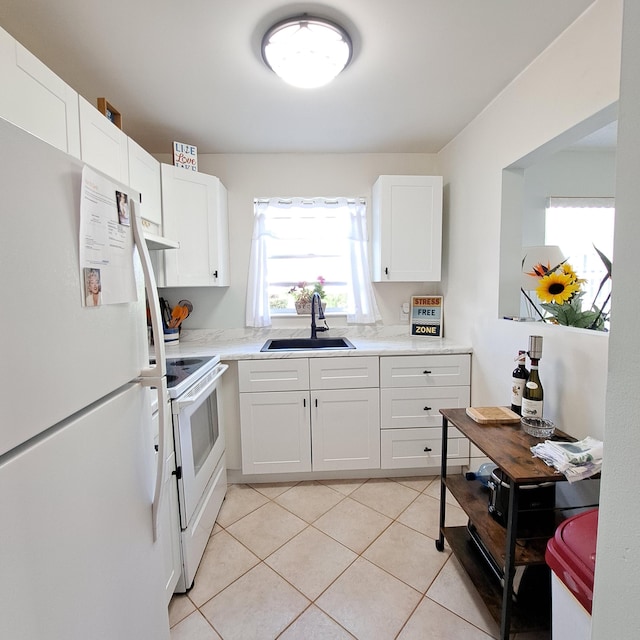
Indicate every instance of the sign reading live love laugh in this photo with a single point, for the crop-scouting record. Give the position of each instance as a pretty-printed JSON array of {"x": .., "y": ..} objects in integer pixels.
[
  {"x": 426, "y": 316},
  {"x": 185, "y": 156}
]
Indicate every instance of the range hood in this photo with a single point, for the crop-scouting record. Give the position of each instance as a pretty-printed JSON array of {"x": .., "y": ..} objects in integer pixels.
[{"x": 155, "y": 242}]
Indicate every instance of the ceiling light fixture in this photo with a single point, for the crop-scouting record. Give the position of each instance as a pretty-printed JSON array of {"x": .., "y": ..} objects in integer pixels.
[{"x": 305, "y": 51}]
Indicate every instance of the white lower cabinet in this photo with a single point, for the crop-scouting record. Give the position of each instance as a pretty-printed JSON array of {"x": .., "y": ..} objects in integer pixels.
[
  {"x": 346, "y": 429},
  {"x": 403, "y": 408},
  {"x": 286, "y": 425},
  {"x": 413, "y": 390},
  {"x": 414, "y": 448},
  {"x": 350, "y": 412},
  {"x": 275, "y": 431}
]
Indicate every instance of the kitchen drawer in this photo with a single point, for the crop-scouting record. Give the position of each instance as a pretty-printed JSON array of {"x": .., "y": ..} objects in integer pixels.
[
  {"x": 415, "y": 407},
  {"x": 344, "y": 373},
  {"x": 286, "y": 374},
  {"x": 405, "y": 448},
  {"x": 425, "y": 371}
]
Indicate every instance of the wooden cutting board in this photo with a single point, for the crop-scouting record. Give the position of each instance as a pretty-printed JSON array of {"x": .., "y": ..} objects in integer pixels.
[{"x": 493, "y": 415}]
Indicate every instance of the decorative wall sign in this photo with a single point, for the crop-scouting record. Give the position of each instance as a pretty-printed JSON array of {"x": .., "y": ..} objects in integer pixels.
[
  {"x": 111, "y": 113},
  {"x": 185, "y": 156},
  {"x": 426, "y": 316}
]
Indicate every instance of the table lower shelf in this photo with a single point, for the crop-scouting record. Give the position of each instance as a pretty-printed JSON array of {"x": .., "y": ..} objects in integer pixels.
[
  {"x": 473, "y": 498},
  {"x": 531, "y": 610}
]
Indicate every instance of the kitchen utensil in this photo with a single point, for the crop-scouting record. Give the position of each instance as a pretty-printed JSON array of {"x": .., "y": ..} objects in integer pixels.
[
  {"x": 178, "y": 314},
  {"x": 187, "y": 304},
  {"x": 164, "y": 311}
]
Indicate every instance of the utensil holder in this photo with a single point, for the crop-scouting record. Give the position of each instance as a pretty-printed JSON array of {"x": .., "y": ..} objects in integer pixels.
[{"x": 171, "y": 336}]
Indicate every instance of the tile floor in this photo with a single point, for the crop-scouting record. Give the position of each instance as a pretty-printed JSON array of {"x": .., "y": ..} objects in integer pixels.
[{"x": 332, "y": 560}]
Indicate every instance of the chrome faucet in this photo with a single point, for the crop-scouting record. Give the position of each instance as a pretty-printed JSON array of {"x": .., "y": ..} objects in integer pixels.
[{"x": 316, "y": 296}]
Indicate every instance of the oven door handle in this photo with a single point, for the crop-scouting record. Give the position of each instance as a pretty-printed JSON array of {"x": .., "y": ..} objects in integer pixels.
[{"x": 189, "y": 399}]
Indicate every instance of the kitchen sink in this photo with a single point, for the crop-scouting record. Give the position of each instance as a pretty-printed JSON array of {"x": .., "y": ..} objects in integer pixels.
[{"x": 306, "y": 344}]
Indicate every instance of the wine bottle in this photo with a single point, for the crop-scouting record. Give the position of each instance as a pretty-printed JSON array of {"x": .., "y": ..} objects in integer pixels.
[
  {"x": 518, "y": 380},
  {"x": 532, "y": 394}
]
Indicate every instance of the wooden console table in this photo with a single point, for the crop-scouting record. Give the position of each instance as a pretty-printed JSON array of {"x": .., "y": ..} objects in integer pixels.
[{"x": 508, "y": 446}]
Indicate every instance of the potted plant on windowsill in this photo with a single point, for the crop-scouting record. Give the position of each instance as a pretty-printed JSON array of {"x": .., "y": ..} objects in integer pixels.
[{"x": 302, "y": 293}]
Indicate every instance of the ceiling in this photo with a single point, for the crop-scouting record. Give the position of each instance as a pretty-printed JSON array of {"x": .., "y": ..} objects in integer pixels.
[{"x": 191, "y": 70}]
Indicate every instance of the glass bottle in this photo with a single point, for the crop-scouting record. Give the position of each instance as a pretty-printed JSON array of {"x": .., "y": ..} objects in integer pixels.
[
  {"x": 533, "y": 394},
  {"x": 518, "y": 380}
]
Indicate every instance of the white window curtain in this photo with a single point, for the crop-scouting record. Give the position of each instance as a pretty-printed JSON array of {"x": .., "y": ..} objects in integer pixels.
[{"x": 362, "y": 307}]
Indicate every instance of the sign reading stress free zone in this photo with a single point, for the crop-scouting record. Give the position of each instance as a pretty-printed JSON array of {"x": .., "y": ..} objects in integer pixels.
[{"x": 426, "y": 316}]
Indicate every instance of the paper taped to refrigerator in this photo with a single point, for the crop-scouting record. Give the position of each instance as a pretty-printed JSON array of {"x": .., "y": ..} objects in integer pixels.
[{"x": 106, "y": 242}]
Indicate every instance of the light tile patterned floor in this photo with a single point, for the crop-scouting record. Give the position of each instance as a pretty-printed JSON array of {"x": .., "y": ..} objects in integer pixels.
[{"x": 332, "y": 560}]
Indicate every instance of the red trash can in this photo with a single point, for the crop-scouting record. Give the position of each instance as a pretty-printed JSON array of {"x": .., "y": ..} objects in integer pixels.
[{"x": 571, "y": 555}]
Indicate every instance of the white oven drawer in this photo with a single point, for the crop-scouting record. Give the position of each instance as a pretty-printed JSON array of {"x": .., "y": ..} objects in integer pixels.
[{"x": 196, "y": 536}]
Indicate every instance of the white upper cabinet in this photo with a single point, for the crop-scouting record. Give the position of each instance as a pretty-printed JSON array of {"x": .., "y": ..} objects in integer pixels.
[
  {"x": 102, "y": 144},
  {"x": 36, "y": 99},
  {"x": 194, "y": 213},
  {"x": 407, "y": 228},
  {"x": 144, "y": 177}
]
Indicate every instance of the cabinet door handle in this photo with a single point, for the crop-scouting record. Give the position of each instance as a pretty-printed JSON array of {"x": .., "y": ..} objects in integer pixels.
[
  {"x": 426, "y": 372},
  {"x": 427, "y": 408},
  {"x": 304, "y": 402},
  {"x": 427, "y": 449},
  {"x": 316, "y": 402},
  {"x": 215, "y": 273},
  {"x": 386, "y": 271}
]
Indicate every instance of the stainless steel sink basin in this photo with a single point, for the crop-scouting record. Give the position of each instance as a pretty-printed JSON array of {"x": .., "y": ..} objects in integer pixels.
[{"x": 306, "y": 344}]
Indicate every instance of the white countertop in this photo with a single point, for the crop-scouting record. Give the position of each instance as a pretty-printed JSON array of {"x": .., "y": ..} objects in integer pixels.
[{"x": 245, "y": 344}]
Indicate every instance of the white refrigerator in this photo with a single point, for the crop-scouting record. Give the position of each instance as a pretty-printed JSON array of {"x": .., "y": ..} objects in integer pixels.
[{"x": 78, "y": 472}]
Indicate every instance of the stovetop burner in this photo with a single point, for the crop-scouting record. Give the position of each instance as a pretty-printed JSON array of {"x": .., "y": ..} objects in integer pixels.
[
  {"x": 184, "y": 367},
  {"x": 182, "y": 372}
]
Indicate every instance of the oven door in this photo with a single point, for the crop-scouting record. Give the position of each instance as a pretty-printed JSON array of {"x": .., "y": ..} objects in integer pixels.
[{"x": 199, "y": 440}]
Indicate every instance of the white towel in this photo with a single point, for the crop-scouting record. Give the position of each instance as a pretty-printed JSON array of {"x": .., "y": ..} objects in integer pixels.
[{"x": 576, "y": 460}]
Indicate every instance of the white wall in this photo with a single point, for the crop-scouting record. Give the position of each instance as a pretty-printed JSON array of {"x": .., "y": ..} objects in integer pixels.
[
  {"x": 588, "y": 174},
  {"x": 577, "y": 76},
  {"x": 249, "y": 176},
  {"x": 617, "y": 589}
]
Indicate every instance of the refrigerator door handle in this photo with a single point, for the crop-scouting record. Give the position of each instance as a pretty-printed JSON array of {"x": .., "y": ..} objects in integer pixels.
[
  {"x": 158, "y": 369},
  {"x": 160, "y": 385}
]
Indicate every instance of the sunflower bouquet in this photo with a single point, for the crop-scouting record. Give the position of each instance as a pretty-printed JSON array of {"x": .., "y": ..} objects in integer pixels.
[{"x": 560, "y": 292}]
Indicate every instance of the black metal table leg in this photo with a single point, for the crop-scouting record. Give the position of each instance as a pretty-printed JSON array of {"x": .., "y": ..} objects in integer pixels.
[
  {"x": 443, "y": 486},
  {"x": 510, "y": 553}
]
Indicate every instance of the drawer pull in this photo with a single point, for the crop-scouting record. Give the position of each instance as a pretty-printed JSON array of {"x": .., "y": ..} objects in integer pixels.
[
  {"x": 427, "y": 449},
  {"x": 426, "y": 372},
  {"x": 427, "y": 408}
]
